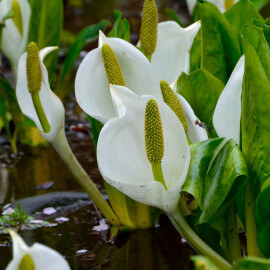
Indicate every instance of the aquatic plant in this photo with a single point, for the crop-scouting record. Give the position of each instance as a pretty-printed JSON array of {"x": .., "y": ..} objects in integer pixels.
[{"x": 165, "y": 104}]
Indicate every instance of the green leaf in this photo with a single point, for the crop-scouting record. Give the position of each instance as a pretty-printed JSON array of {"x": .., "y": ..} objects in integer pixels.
[
  {"x": 45, "y": 28},
  {"x": 96, "y": 127},
  {"x": 216, "y": 174},
  {"x": 10, "y": 98},
  {"x": 174, "y": 16},
  {"x": 255, "y": 105},
  {"x": 252, "y": 263},
  {"x": 265, "y": 25},
  {"x": 220, "y": 46},
  {"x": 241, "y": 14},
  {"x": 203, "y": 263},
  {"x": 4, "y": 115},
  {"x": 87, "y": 35},
  {"x": 262, "y": 218},
  {"x": 259, "y": 4},
  {"x": 121, "y": 28},
  {"x": 195, "y": 55},
  {"x": 202, "y": 90},
  {"x": 255, "y": 112}
]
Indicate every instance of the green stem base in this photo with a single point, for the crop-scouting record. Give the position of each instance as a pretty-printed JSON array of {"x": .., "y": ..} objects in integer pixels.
[
  {"x": 195, "y": 241},
  {"x": 251, "y": 230},
  {"x": 62, "y": 147}
]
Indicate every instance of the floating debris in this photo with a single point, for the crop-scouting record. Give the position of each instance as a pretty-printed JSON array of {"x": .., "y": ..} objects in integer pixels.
[
  {"x": 81, "y": 251},
  {"x": 102, "y": 226},
  {"x": 49, "y": 211},
  {"x": 45, "y": 185},
  {"x": 61, "y": 219},
  {"x": 9, "y": 210}
]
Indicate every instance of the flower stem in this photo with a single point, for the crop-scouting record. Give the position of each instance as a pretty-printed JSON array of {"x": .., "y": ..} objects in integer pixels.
[
  {"x": 232, "y": 235},
  {"x": 158, "y": 174},
  {"x": 40, "y": 112},
  {"x": 62, "y": 147},
  {"x": 251, "y": 230},
  {"x": 195, "y": 241}
]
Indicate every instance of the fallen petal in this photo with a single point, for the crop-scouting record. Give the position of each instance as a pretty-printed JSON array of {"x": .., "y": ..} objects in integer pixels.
[
  {"x": 49, "y": 211},
  {"x": 102, "y": 226}
]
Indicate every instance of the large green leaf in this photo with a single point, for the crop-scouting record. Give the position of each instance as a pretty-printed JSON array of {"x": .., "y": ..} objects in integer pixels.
[
  {"x": 255, "y": 105},
  {"x": 202, "y": 90},
  {"x": 220, "y": 46},
  {"x": 241, "y": 14},
  {"x": 45, "y": 28},
  {"x": 217, "y": 172},
  {"x": 88, "y": 34},
  {"x": 195, "y": 55}
]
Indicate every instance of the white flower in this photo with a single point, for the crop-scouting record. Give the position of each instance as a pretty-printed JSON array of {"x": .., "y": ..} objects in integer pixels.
[
  {"x": 52, "y": 105},
  {"x": 122, "y": 157},
  {"x": 169, "y": 60},
  {"x": 91, "y": 85},
  {"x": 222, "y": 5},
  {"x": 38, "y": 256},
  {"x": 14, "y": 41},
  {"x": 172, "y": 53},
  {"x": 195, "y": 132},
  {"x": 227, "y": 114}
]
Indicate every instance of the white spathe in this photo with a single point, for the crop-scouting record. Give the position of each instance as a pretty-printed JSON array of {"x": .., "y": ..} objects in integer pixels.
[
  {"x": 169, "y": 60},
  {"x": 195, "y": 132},
  {"x": 227, "y": 114},
  {"x": 219, "y": 3},
  {"x": 172, "y": 53},
  {"x": 13, "y": 44},
  {"x": 122, "y": 156},
  {"x": 52, "y": 105},
  {"x": 43, "y": 257}
]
